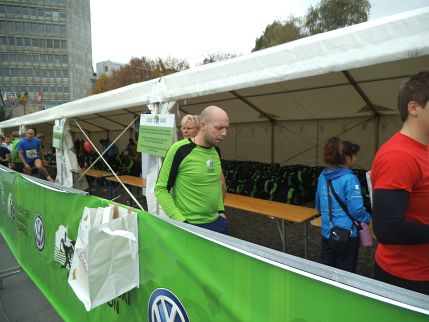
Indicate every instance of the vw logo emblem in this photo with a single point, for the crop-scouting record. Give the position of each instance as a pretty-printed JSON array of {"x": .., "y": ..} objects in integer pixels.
[
  {"x": 164, "y": 306},
  {"x": 39, "y": 233}
]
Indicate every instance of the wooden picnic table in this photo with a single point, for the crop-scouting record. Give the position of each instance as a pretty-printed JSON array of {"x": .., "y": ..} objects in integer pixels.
[
  {"x": 96, "y": 174},
  {"x": 273, "y": 209}
]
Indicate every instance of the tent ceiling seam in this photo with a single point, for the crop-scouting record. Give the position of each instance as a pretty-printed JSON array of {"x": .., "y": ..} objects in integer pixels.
[
  {"x": 110, "y": 120},
  {"x": 90, "y": 123},
  {"x": 253, "y": 106},
  {"x": 361, "y": 92}
]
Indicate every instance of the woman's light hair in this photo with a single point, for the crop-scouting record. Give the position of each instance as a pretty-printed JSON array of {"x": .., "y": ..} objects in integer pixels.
[{"x": 190, "y": 118}]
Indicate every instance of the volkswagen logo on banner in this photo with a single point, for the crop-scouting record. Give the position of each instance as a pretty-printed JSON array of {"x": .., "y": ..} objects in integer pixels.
[
  {"x": 164, "y": 306},
  {"x": 39, "y": 233}
]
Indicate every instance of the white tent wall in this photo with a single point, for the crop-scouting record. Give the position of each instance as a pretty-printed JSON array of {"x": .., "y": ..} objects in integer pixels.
[{"x": 302, "y": 142}]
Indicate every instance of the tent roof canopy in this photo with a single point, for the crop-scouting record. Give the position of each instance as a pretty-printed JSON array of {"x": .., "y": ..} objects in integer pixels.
[{"x": 349, "y": 72}]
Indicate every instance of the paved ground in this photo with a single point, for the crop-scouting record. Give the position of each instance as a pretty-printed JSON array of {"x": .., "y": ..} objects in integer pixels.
[
  {"x": 264, "y": 231},
  {"x": 20, "y": 299}
]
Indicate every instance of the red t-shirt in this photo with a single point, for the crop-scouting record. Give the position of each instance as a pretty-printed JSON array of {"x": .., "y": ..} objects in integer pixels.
[{"x": 403, "y": 163}]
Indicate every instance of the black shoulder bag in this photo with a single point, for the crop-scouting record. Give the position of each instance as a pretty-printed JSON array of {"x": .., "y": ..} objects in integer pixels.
[{"x": 339, "y": 237}]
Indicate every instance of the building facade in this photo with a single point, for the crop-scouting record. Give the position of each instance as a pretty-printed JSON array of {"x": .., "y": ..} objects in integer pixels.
[
  {"x": 45, "y": 52},
  {"x": 107, "y": 67}
]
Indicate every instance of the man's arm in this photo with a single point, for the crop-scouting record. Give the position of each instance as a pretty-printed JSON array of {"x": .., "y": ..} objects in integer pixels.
[
  {"x": 161, "y": 188},
  {"x": 21, "y": 157},
  {"x": 390, "y": 225}
]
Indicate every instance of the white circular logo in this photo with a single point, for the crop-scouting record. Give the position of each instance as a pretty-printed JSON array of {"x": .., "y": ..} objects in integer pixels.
[
  {"x": 164, "y": 306},
  {"x": 39, "y": 233},
  {"x": 210, "y": 164}
]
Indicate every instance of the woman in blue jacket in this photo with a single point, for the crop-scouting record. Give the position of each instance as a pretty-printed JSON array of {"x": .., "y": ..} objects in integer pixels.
[{"x": 341, "y": 156}]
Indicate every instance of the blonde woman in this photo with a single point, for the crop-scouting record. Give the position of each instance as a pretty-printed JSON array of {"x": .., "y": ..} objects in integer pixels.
[{"x": 189, "y": 126}]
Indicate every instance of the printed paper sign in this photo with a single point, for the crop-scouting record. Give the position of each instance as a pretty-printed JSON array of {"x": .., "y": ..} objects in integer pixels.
[
  {"x": 57, "y": 138},
  {"x": 156, "y": 133}
]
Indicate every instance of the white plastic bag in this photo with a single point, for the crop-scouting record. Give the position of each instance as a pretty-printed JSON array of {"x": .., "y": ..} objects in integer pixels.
[{"x": 105, "y": 262}]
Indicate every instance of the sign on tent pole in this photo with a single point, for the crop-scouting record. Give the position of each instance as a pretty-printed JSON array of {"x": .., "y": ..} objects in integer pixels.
[{"x": 156, "y": 133}]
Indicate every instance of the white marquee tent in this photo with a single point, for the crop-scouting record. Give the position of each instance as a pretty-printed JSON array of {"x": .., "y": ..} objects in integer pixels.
[{"x": 283, "y": 102}]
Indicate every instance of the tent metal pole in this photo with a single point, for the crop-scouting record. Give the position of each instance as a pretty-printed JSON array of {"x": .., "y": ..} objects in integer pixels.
[
  {"x": 377, "y": 133},
  {"x": 110, "y": 168},
  {"x": 273, "y": 123}
]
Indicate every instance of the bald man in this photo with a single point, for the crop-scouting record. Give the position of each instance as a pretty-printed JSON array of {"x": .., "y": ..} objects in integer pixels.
[{"x": 188, "y": 186}]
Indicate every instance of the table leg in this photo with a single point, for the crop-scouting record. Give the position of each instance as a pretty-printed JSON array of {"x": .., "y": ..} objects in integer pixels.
[
  {"x": 284, "y": 236},
  {"x": 306, "y": 240},
  {"x": 96, "y": 186},
  {"x": 282, "y": 232}
]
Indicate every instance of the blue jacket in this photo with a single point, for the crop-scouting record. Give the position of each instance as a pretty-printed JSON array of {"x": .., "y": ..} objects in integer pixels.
[{"x": 347, "y": 187}]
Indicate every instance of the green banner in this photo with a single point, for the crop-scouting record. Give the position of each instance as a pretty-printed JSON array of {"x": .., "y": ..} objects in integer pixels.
[{"x": 183, "y": 277}]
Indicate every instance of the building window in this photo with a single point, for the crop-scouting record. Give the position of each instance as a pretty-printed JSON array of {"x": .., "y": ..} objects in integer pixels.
[
  {"x": 11, "y": 41},
  {"x": 18, "y": 26}
]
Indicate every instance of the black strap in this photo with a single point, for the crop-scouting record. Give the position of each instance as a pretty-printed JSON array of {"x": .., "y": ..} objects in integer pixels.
[{"x": 354, "y": 221}]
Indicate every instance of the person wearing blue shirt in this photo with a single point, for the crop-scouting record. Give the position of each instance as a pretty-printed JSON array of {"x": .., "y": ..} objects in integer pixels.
[
  {"x": 30, "y": 153},
  {"x": 341, "y": 156}
]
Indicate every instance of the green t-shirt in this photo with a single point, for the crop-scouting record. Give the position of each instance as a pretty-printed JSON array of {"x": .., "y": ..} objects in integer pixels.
[
  {"x": 15, "y": 155},
  {"x": 188, "y": 186}
]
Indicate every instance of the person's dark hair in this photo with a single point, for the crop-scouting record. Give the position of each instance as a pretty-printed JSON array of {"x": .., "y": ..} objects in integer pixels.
[
  {"x": 350, "y": 149},
  {"x": 336, "y": 151},
  {"x": 414, "y": 89}
]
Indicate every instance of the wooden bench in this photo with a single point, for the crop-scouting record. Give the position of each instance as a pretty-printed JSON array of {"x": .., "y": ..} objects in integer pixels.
[
  {"x": 281, "y": 211},
  {"x": 129, "y": 180},
  {"x": 126, "y": 180},
  {"x": 316, "y": 222}
]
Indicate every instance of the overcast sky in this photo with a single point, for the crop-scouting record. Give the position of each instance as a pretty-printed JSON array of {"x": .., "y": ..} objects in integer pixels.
[{"x": 192, "y": 29}]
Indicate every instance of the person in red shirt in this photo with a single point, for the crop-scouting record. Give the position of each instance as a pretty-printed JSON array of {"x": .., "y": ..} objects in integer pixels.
[{"x": 400, "y": 180}]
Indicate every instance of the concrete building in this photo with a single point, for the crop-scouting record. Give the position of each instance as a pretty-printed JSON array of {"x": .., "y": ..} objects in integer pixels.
[
  {"x": 45, "y": 50},
  {"x": 106, "y": 67}
]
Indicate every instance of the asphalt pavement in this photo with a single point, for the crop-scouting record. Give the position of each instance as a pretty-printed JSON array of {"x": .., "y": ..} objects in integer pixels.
[{"x": 20, "y": 299}]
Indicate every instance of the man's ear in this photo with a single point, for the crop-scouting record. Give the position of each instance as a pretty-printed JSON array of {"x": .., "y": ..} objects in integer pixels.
[{"x": 412, "y": 108}]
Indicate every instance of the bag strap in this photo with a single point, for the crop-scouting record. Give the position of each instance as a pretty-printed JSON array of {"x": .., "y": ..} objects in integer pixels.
[{"x": 341, "y": 203}]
